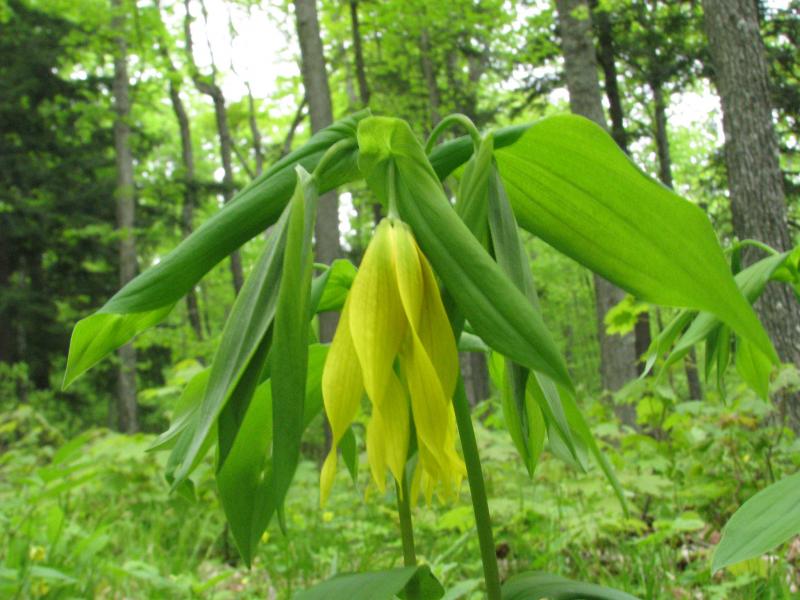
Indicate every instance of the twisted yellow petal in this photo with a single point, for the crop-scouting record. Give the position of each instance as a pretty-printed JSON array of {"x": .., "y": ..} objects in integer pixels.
[
  {"x": 378, "y": 323},
  {"x": 393, "y": 318},
  {"x": 342, "y": 389}
]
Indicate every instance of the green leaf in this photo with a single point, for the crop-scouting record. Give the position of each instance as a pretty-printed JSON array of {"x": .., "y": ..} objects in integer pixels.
[
  {"x": 376, "y": 585},
  {"x": 241, "y": 479},
  {"x": 471, "y": 203},
  {"x": 185, "y": 410},
  {"x": 393, "y": 162},
  {"x": 245, "y": 330},
  {"x": 571, "y": 185},
  {"x": 340, "y": 277},
  {"x": 350, "y": 453},
  {"x": 751, "y": 281},
  {"x": 579, "y": 425},
  {"x": 753, "y": 367},
  {"x": 289, "y": 358},
  {"x": 148, "y": 298},
  {"x": 769, "y": 518},
  {"x": 536, "y": 585}
]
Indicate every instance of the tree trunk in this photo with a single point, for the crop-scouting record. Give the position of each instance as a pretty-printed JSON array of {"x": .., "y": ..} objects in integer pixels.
[
  {"x": 6, "y": 312},
  {"x": 255, "y": 132},
  {"x": 758, "y": 203},
  {"x": 361, "y": 74},
  {"x": 617, "y": 353},
  {"x": 207, "y": 85},
  {"x": 363, "y": 86},
  {"x": 299, "y": 115},
  {"x": 315, "y": 81},
  {"x": 607, "y": 60},
  {"x": 126, "y": 408},
  {"x": 606, "y": 57},
  {"x": 429, "y": 74},
  {"x": 665, "y": 175},
  {"x": 189, "y": 194}
]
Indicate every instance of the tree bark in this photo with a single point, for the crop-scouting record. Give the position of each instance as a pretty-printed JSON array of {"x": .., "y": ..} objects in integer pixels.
[
  {"x": 189, "y": 191},
  {"x": 758, "y": 202},
  {"x": 255, "y": 132},
  {"x": 361, "y": 74},
  {"x": 126, "y": 407},
  {"x": 207, "y": 85},
  {"x": 617, "y": 353},
  {"x": 315, "y": 81},
  {"x": 606, "y": 58},
  {"x": 429, "y": 74},
  {"x": 363, "y": 86},
  {"x": 665, "y": 175}
]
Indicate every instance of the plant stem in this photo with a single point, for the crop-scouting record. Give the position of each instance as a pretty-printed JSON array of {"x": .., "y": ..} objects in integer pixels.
[
  {"x": 407, "y": 535},
  {"x": 450, "y": 121},
  {"x": 477, "y": 489}
]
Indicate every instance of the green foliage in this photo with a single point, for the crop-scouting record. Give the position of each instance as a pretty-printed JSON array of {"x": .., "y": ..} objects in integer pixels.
[{"x": 766, "y": 520}]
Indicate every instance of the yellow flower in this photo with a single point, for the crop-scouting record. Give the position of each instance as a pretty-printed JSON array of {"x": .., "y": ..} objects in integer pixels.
[
  {"x": 37, "y": 553},
  {"x": 394, "y": 342}
]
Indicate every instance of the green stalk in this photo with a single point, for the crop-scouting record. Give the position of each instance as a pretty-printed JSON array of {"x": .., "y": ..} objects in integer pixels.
[
  {"x": 477, "y": 490},
  {"x": 407, "y": 535}
]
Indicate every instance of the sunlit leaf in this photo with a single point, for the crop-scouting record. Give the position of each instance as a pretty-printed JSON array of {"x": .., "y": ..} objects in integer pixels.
[
  {"x": 539, "y": 586},
  {"x": 376, "y": 585},
  {"x": 148, "y": 298},
  {"x": 571, "y": 185},
  {"x": 769, "y": 518}
]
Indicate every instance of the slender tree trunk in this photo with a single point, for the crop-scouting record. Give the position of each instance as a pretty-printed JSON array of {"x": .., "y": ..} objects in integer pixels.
[
  {"x": 617, "y": 353},
  {"x": 665, "y": 175},
  {"x": 6, "y": 314},
  {"x": 607, "y": 60},
  {"x": 255, "y": 132},
  {"x": 429, "y": 74},
  {"x": 758, "y": 202},
  {"x": 363, "y": 85},
  {"x": 207, "y": 85},
  {"x": 189, "y": 194},
  {"x": 126, "y": 407},
  {"x": 299, "y": 116},
  {"x": 315, "y": 81},
  {"x": 361, "y": 74}
]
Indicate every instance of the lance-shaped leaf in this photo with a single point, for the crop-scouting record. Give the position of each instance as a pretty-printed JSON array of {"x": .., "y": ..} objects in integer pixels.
[
  {"x": 243, "y": 479},
  {"x": 376, "y": 585},
  {"x": 243, "y": 344},
  {"x": 512, "y": 259},
  {"x": 751, "y": 281},
  {"x": 769, "y": 518},
  {"x": 289, "y": 360},
  {"x": 240, "y": 478},
  {"x": 537, "y": 585},
  {"x": 753, "y": 365},
  {"x": 570, "y": 185},
  {"x": 148, "y": 298},
  {"x": 394, "y": 164}
]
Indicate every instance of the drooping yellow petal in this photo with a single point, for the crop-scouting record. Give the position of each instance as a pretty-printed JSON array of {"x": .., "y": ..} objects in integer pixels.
[
  {"x": 435, "y": 332},
  {"x": 387, "y": 435},
  {"x": 410, "y": 281},
  {"x": 378, "y": 323},
  {"x": 326, "y": 476},
  {"x": 342, "y": 390},
  {"x": 430, "y": 388}
]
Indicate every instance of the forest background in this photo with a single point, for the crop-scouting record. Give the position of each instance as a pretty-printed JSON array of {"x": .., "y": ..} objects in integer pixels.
[{"x": 125, "y": 125}]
